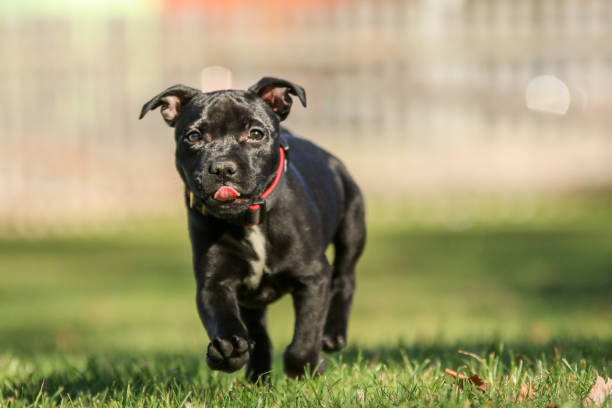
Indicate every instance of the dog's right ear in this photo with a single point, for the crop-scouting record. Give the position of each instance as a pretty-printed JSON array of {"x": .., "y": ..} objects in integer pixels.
[{"x": 171, "y": 101}]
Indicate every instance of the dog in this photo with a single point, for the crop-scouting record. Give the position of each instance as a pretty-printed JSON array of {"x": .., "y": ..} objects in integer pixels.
[{"x": 263, "y": 207}]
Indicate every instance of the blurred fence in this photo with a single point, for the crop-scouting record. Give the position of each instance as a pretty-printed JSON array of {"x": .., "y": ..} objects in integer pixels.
[{"x": 418, "y": 97}]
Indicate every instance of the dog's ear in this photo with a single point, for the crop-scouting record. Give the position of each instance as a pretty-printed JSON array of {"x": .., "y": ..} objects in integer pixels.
[
  {"x": 275, "y": 92},
  {"x": 171, "y": 101}
]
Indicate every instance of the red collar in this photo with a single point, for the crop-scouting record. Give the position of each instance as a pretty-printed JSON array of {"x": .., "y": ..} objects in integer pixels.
[{"x": 256, "y": 211}]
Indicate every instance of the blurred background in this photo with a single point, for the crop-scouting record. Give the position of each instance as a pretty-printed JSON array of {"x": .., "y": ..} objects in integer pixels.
[{"x": 480, "y": 131}]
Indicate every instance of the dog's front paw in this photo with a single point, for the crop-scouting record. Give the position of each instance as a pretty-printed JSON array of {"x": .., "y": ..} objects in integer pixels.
[
  {"x": 228, "y": 354},
  {"x": 333, "y": 342}
]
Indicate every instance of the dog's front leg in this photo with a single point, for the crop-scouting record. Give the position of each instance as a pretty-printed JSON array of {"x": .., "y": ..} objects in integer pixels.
[
  {"x": 217, "y": 278},
  {"x": 310, "y": 300},
  {"x": 229, "y": 346}
]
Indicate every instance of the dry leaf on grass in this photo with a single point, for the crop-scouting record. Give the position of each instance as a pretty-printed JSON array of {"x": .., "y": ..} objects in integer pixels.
[
  {"x": 384, "y": 377},
  {"x": 360, "y": 396},
  {"x": 600, "y": 391},
  {"x": 480, "y": 384},
  {"x": 469, "y": 353},
  {"x": 527, "y": 392}
]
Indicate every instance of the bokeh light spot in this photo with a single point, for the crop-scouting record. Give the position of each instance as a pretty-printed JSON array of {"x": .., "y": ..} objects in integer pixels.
[{"x": 547, "y": 93}]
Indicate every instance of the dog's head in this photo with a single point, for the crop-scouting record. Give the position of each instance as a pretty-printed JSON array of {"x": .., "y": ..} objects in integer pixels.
[{"x": 227, "y": 142}]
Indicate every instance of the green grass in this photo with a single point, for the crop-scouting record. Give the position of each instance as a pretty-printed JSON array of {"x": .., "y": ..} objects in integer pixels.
[{"x": 109, "y": 319}]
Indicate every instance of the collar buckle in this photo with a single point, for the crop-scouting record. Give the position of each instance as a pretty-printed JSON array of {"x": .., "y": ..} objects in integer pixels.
[{"x": 256, "y": 212}]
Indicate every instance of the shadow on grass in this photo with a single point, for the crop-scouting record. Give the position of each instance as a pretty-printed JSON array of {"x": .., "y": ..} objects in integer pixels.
[
  {"x": 114, "y": 373},
  {"x": 596, "y": 352}
]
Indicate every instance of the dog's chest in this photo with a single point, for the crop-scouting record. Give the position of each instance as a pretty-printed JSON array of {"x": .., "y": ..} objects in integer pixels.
[{"x": 257, "y": 241}]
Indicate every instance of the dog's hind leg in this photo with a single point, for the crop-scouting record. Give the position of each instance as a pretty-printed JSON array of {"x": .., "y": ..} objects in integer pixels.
[
  {"x": 349, "y": 241},
  {"x": 260, "y": 361},
  {"x": 311, "y": 302}
]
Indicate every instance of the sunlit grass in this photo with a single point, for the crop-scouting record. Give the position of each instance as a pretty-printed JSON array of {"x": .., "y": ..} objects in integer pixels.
[{"x": 110, "y": 318}]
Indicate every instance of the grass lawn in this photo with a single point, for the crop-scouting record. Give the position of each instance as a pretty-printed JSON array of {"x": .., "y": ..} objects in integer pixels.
[{"x": 109, "y": 319}]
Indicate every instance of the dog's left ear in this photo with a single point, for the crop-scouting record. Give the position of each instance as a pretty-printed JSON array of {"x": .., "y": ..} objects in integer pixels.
[
  {"x": 275, "y": 92},
  {"x": 171, "y": 101}
]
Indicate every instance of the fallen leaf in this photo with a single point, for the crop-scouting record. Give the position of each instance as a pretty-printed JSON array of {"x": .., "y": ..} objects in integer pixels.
[
  {"x": 521, "y": 356},
  {"x": 600, "y": 392},
  {"x": 469, "y": 353},
  {"x": 527, "y": 392},
  {"x": 384, "y": 378},
  {"x": 360, "y": 396},
  {"x": 480, "y": 384}
]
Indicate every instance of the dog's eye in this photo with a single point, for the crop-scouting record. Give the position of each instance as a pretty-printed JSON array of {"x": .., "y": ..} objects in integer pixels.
[
  {"x": 194, "y": 137},
  {"x": 256, "y": 134}
]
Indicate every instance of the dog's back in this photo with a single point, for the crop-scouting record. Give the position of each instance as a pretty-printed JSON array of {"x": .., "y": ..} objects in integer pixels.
[{"x": 327, "y": 185}]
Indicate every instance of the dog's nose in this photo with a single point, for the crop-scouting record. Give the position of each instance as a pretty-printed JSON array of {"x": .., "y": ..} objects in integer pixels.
[{"x": 223, "y": 168}]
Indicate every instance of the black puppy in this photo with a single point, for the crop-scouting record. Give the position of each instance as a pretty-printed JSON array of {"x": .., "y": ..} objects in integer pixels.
[{"x": 263, "y": 208}]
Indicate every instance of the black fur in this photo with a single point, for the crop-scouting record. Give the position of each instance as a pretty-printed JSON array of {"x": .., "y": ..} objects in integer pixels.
[{"x": 315, "y": 204}]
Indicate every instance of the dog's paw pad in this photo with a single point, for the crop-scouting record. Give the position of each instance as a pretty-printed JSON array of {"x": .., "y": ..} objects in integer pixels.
[
  {"x": 240, "y": 344},
  {"x": 224, "y": 346},
  {"x": 228, "y": 354},
  {"x": 333, "y": 343}
]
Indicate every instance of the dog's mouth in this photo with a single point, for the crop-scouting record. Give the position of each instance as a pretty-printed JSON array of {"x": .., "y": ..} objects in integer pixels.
[
  {"x": 224, "y": 201},
  {"x": 227, "y": 197},
  {"x": 226, "y": 194}
]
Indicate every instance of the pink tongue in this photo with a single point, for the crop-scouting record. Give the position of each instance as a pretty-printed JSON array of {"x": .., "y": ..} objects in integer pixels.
[{"x": 226, "y": 193}]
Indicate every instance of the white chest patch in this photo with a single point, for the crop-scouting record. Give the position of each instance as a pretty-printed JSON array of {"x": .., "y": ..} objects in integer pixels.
[{"x": 258, "y": 242}]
